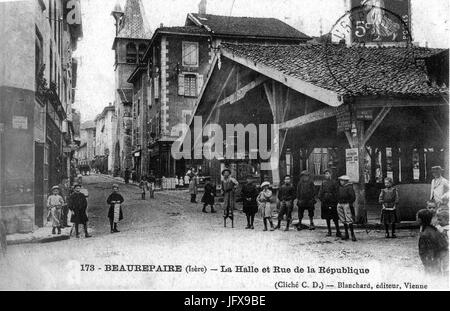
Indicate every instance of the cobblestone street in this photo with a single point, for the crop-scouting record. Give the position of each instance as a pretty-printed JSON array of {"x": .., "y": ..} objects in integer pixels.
[{"x": 170, "y": 231}]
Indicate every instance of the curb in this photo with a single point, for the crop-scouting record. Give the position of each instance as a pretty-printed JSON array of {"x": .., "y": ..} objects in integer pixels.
[{"x": 38, "y": 241}]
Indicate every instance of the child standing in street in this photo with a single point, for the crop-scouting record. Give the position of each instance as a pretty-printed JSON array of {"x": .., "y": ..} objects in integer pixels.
[
  {"x": 345, "y": 198},
  {"x": 55, "y": 203},
  {"x": 389, "y": 201},
  {"x": 209, "y": 195},
  {"x": 115, "y": 213},
  {"x": 286, "y": 196},
  {"x": 77, "y": 203},
  {"x": 264, "y": 200},
  {"x": 327, "y": 196},
  {"x": 249, "y": 196}
]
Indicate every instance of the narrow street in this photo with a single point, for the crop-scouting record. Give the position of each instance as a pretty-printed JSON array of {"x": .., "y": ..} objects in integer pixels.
[{"x": 170, "y": 231}]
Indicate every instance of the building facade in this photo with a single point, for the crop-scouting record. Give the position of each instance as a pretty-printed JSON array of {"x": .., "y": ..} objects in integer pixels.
[
  {"x": 85, "y": 154},
  {"x": 132, "y": 37},
  {"x": 36, "y": 96},
  {"x": 170, "y": 77},
  {"x": 105, "y": 137}
]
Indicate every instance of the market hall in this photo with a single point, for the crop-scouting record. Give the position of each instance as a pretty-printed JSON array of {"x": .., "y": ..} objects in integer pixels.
[{"x": 368, "y": 112}]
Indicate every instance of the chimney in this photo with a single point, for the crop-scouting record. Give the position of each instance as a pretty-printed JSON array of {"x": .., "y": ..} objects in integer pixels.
[{"x": 202, "y": 7}]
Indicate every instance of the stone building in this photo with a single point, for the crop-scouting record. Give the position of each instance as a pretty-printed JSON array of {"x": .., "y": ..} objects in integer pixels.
[
  {"x": 105, "y": 137},
  {"x": 37, "y": 81},
  {"x": 85, "y": 154},
  {"x": 170, "y": 77},
  {"x": 130, "y": 43}
]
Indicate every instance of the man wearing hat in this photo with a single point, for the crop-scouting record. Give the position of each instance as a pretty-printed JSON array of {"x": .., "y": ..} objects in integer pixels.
[
  {"x": 229, "y": 185},
  {"x": 249, "y": 196},
  {"x": 286, "y": 195},
  {"x": 327, "y": 196},
  {"x": 345, "y": 199},
  {"x": 305, "y": 199},
  {"x": 439, "y": 187}
]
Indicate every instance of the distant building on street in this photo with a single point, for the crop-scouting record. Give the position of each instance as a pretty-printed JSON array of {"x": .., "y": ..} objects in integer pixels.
[
  {"x": 37, "y": 83},
  {"x": 105, "y": 137},
  {"x": 85, "y": 154}
]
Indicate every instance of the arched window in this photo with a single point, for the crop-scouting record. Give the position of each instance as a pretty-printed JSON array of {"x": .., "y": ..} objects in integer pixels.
[
  {"x": 142, "y": 48},
  {"x": 131, "y": 53}
]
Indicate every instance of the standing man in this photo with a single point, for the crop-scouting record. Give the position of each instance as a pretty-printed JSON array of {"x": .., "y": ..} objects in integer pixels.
[
  {"x": 229, "y": 185},
  {"x": 345, "y": 199},
  {"x": 152, "y": 183},
  {"x": 126, "y": 176},
  {"x": 193, "y": 187},
  {"x": 306, "y": 199},
  {"x": 249, "y": 196},
  {"x": 78, "y": 205},
  {"x": 286, "y": 196},
  {"x": 327, "y": 196},
  {"x": 439, "y": 187}
]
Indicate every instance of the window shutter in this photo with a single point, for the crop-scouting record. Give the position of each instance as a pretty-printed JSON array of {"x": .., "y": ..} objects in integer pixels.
[
  {"x": 156, "y": 85},
  {"x": 181, "y": 84},
  {"x": 199, "y": 84}
]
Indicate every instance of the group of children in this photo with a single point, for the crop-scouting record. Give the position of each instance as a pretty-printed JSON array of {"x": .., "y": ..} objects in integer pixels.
[
  {"x": 147, "y": 184},
  {"x": 77, "y": 204}
]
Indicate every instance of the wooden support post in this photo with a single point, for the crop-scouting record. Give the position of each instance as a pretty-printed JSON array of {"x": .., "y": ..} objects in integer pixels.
[
  {"x": 278, "y": 106},
  {"x": 422, "y": 168},
  {"x": 373, "y": 163},
  {"x": 383, "y": 161},
  {"x": 360, "y": 203},
  {"x": 395, "y": 165},
  {"x": 407, "y": 165}
]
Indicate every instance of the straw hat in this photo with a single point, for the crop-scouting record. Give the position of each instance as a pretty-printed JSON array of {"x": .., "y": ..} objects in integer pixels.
[
  {"x": 266, "y": 183},
  {"x": 226, "y": 170},
  {"x": 437, "y": 168},
  {"x": 344, "y": 177},
  {"x": 305, "y": 173},
  {"x": 55, "y": 188}
]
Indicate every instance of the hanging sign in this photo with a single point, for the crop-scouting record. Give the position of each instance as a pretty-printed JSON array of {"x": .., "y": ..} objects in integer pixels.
[
  {"x": 343, "y": 118},
  {"x": 352, "y": 164},
  {"x": 364, "y": 114}
]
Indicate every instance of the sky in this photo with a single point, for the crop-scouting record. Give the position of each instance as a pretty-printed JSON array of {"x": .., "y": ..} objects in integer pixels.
[{"x": 95, "y": 87}]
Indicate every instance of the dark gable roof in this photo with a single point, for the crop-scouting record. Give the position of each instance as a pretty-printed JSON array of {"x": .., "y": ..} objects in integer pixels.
[
  {"x": 183, "y": 30},
  {"x": 385, "y": 71},
  {"x": 247, "y": 26}
]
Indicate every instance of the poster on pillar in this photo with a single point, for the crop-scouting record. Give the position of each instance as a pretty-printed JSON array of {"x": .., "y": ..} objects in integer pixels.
[{"x": 352, "y": 164}]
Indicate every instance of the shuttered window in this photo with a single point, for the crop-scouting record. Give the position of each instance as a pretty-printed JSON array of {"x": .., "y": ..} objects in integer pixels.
[
  {"x": 190, "y": 54},
  {"x": 190, "y": 85}
]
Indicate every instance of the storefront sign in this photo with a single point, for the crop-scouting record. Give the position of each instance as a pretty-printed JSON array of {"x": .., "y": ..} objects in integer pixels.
[
  {"x": 20, "y": 123},
  {"x": 364, "y": 115},
  {"x": 352, "y": 164}
]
